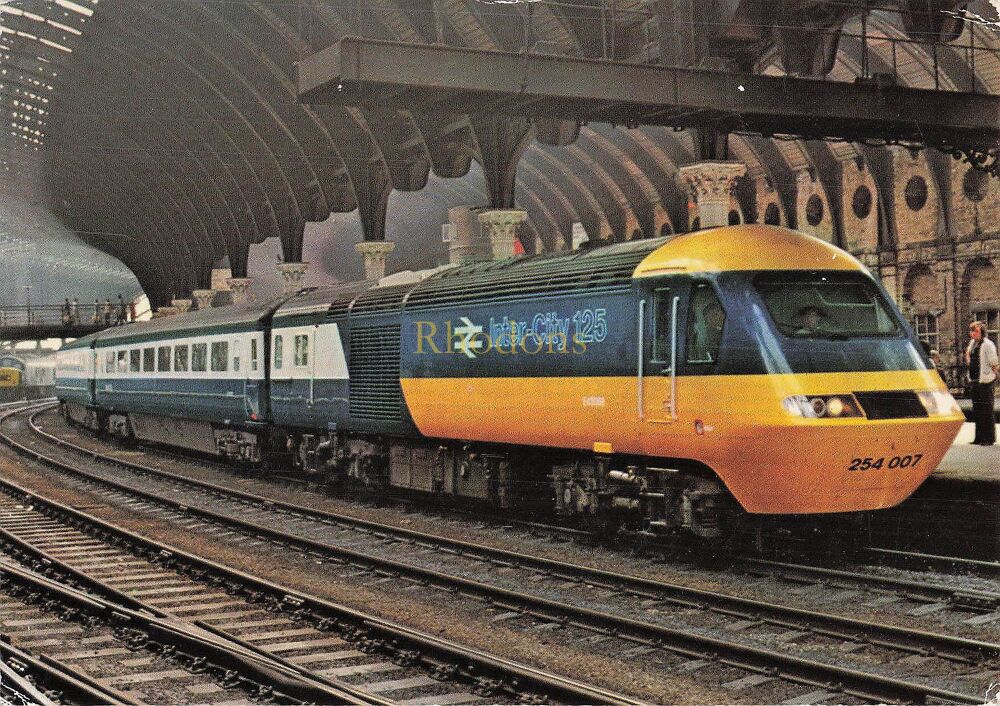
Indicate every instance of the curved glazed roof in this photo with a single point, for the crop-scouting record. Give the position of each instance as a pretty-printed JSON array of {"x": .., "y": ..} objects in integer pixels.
[{"x": 169, "y": 134}]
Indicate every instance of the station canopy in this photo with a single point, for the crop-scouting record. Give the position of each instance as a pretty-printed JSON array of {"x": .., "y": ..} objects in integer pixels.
[{"x": 172, "y": 135}]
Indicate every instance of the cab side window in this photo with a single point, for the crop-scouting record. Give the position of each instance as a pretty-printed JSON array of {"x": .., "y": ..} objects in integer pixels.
[
  {"x": 706, "y": 319},
  {"x": 662, "y": 325}
]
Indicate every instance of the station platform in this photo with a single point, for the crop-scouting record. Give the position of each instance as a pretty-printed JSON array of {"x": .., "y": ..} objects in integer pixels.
[{"x": 967, "y": 462}]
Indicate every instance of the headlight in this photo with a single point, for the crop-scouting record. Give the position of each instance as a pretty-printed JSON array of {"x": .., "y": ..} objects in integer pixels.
[
  {"x": 938, "y": 403},
  {"x": 822, "y": 406}
]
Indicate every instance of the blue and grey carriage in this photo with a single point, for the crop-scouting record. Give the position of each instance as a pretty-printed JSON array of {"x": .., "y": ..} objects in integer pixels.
[{"x": 197, "y": 380}]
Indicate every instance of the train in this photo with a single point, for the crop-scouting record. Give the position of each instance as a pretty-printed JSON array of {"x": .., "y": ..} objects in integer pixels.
[
  {"x": 668, "y": 385},
  {"x": 26, "y": 377}
]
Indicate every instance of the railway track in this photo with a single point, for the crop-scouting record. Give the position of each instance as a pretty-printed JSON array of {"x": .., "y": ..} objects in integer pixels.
[
  {"x": 920, "y": 561},
  {"x": 127, "y": 656},
  {"x": 763, "y": 628},
  {"x": 296, "y": 630},
  {"x": 374, "y": 661},
  {"x": 26, "y": 680}
]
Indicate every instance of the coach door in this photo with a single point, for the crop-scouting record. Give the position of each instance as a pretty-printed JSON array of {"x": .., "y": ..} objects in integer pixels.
[
  {"x": 661, "y": 314},
  {"x": 249, "y": 346}
]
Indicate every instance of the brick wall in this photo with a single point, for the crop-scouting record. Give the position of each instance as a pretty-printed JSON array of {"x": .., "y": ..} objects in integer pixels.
[{"x": 813, "y": 212}]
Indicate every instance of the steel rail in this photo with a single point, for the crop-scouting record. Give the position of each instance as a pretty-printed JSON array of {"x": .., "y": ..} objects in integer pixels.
[
  {"x": 440, "y": 656},
  {"x": 757, "y": 660},
  {"x": 976, "y": 600},
  {"x": 29, "y": 680},
  {"x": 222, "y": 656},
  {"x": 904, "y": 639},
  {"x": 920, "y": 560},
  {"x": 51, "y": 674}
]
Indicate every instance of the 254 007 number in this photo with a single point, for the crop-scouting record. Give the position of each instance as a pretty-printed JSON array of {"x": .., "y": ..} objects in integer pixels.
[{"x": 874, "y": 464}]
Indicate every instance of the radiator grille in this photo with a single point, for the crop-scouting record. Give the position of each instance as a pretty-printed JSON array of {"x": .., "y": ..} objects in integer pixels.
[
  {"x": 604, "y": 269},
  {"x": 891, "y": 404},
  {"x": 374, "y": 369}
]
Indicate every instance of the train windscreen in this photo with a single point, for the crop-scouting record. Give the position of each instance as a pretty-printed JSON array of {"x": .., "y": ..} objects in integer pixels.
[{"x": 826, "y": 305}]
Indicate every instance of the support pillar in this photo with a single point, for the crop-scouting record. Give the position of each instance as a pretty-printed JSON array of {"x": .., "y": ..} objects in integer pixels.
[
  {"x": 292, "y": 274},
  {"x": 501, "y": 140},
  {"x": 711, "y": 184},
  {"x": 204, "y": 298},
  {"x": 183, "y": 306},
  {"x": 499, "y": 229},
  {"x": 466, "y": 244},
  {"x": 374, "y": 253},
  {"x": 239, "y": 288}
]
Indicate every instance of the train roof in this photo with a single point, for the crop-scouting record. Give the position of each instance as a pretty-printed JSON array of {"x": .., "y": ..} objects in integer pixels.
[
  {"x": 741, "y": 247},
  {"x": 745, "y": 247},
  {"x": 595, "y": 269},
  {"x": 223, "y": 319}
]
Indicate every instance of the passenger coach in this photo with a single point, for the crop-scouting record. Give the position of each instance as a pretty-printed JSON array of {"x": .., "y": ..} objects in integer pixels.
[{"x": 663, "y": 383}]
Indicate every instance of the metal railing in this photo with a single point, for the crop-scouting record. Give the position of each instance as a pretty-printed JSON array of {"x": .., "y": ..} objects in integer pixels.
[
  {"x": 59, "y": 315},
  {"x": 879, "y": 48}
]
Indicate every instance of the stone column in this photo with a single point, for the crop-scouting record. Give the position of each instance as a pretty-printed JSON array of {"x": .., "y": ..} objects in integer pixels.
[
  {"x": 374, "y": 253},
  {"x": 204, "y": 298},
  {"x": 183, "y": 306},
  {"x": 499, "y": 229},
  {"x": 711, "y": 184},
  {"x": 292, "y": 274},
  {"x": 950, "y": 325},
  {"x": 239, "y": 288}
]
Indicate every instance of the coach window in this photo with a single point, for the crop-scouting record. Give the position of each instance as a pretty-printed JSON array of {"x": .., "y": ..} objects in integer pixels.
[
  {"x": 163, "y": 359},
  {"x": 279, "y": 351},
  {"x": 220, "y": 356},
  {"x": 301, "y": 351},
  {"x": 122, "y": 361},
  {"x": 109, "y": 362},
  {"x": 253, "y": 354},
  {"x": 134, "y": 359},
  {"x": 180, "y": 359},
  {"x": 148, "y": 360},
  {"x": 706, "y": 319},
  {"x": 199, "y": 357}
]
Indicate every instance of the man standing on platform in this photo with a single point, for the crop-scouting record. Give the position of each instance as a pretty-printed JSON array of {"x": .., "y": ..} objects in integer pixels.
[{"x": 984, "y": 364}]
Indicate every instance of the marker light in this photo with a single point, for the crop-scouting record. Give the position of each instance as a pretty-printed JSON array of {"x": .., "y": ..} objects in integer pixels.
[
  {"x": 822, "y": 406},
  {"x": 938, "y": 403}
]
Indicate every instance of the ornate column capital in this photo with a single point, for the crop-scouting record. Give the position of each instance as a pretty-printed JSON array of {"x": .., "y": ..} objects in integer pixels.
[
  {"x": 374, "y": 253},
  {"x": 239, "y": 288},
  {"x": 500, "y": 228},
  {"x": 183, "y": 306},
  {"x": 204, "y": 298},
  {"x": 292, "y": 274},
  {"x": 711, "y": 184}
]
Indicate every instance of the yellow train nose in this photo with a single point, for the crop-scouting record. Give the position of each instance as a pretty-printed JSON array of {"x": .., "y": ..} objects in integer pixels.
[{"x": 834, "y": 467}]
